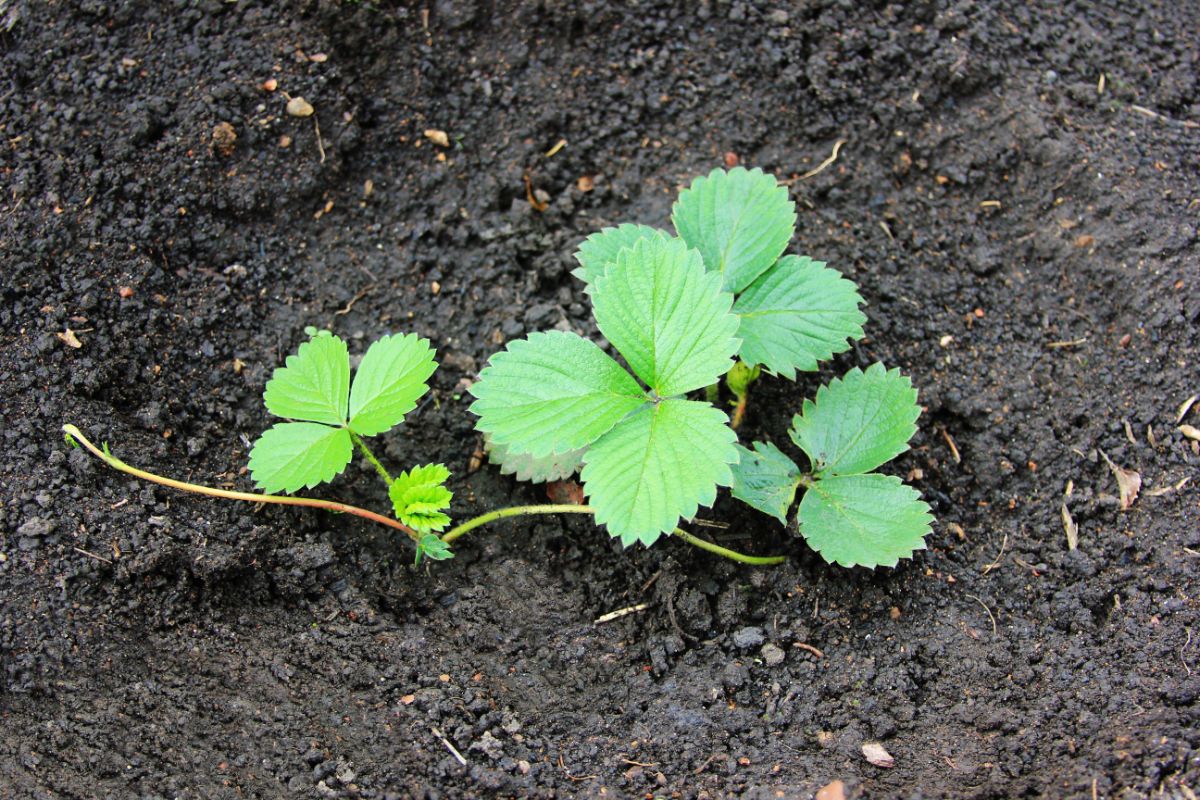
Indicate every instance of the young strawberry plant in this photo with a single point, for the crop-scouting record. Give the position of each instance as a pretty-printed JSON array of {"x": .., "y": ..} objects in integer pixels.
[{"x": 679, "y": 310}]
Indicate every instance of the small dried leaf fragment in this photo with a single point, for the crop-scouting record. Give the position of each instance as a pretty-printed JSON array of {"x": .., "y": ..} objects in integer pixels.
[
  {"x": 1184, "y": 407},
  {"x": 1190, "y": 432},
  {"x": 876, "y": 754},
  {"x": 565, "y": 492},
  {"x": 437, "y": 137},
  {"x": 834, "y": 790},
  {"x": 1070, "y": 527},
  {"x": 1129, "y": 483},
  {"x": 299, "y": 107},
  {"x": 69, "y": 338},
  {"x": 585, "y": 183},
  {"x": 224, "y": 137}
]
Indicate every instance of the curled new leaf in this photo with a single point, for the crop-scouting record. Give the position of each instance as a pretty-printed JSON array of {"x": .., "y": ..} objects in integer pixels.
[{"x": 419, "y": 498}]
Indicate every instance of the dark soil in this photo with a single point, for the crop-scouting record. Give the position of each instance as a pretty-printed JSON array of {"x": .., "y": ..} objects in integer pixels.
[{"x": 1017, "y": 196}]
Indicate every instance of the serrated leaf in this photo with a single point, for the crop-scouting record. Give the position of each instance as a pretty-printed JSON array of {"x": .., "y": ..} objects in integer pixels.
[
  {"x": 433, "y": 548},
  {"x": 863, "y": 520},
  {"x": 314, "y": 383},
  {"x": 390, "y": 379},
  {"x": 766, "y": 479},
  {"x": 667, "y": 316},
  {"x": 741, "y": 221},
  {"x": 525, "y": 467},
  {"x": 857, "y": 422},
  {"x": 797, "y": 313},
  {"x": 552, "y": 392},
  {"x": 660, "y": 464},
  {"x": 419, "y": 497},
  {"x": 293, "y": 455},
  {"x": 599, "y": 250}
]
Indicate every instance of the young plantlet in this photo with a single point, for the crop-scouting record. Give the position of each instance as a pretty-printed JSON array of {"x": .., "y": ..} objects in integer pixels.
[{"x": 849, "y": 514}]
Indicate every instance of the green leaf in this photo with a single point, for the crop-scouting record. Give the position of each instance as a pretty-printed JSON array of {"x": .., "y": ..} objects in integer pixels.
[
  {"x": 740, "y": 376},
  {"x": 390, "y": 379},
  {"x": 741, "y": 221},
  {"x": 797, "y": 313},
  {"x": 863, "y": 520},
  {"x": 433, "y": 548},
  {"x": 419, "y": 497},
  {"x": 314, "y": 384},
  {"x": 766, "y": 479},
  {"x": 293, "y": 455},
  {"x": 667, "y": 316},
  {"x": 600, "y": 249},
  {"x": 553, "y": 392},
  {"x": 554, "y": 467},
  {"x": 657, "y": 466},
  {"x": 857, "y": 422}
]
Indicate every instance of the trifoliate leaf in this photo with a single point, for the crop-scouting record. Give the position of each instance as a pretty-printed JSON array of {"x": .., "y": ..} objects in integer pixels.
[
  {"x": 314, "y": 384},
  {"x": 797, "y": 313},
  {"x": 600, "y": 249},
  {"x": 390, "y": 379},
  {"x": 525, "y": 467},
  {"x": 666, "y": 315},
  {"x": 766, "y": 479},
  {"x": 419, "y": 497},
  {"x": 293, "y": 455},
  {"x": 657, "y": 466},
  {"x": 433, "y": 548},
  {"x": 741, "y": 221},
  {"x": 863, "y": 520},
  {"x": 553, "y": 392},
  {"x": 857, "y": 422}
]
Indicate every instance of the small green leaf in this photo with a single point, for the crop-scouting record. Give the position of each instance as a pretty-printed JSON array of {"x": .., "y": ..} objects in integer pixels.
[
  {"x": 314, "y": 384},
  {"x": 390, "y": 379},
  {"x": 741, "y": 221},
  {"x": 766, "y": 479},
  {"x": 70, "y": 440},
  {"x": 293, "y": 455},
  {"x": 553, "y": 392},
  {"x": 600, "y": 249},
  {"x": 740, "y": 376},
  {"x": 524, "y": 467},
  {"x": 419, "y": 497},
  {"x": 657, "y": 466},
  {"x": 864, "y": 520},
  {"x": 433, "y": 548},
  {"x": 667, "y": 316},
  {"x": 797, "y": 313},
  {"x": 857, "y": 422}
]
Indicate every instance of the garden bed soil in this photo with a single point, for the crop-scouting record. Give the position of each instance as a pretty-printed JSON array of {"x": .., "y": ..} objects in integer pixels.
[{"x": 1014, "y": 189}]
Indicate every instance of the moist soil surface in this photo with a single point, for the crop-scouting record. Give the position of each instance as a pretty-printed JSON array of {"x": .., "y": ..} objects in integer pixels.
[{"x": 1015, "y": 190}]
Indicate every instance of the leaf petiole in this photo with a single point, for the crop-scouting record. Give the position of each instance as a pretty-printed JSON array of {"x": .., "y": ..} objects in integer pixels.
[
  {"x": 250, "y": 497},
  {"x": 369, "y": 456}
]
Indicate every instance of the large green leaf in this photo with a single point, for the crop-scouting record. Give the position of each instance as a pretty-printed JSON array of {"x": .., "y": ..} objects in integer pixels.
[
  {"x": 766, "y": 479},
  {"x": 863, "y": 520},
  {"x": 666, "y": 315},
  {"x": 390, "y": 379},
  {"x": 293, "y": 455},
  {"x": 553, "y": 392},
  {"x": 600, "y": 249},
  {"x": 741, "y": 221},
  {"x": 524, "y": 467},
  {"x": 314, "y": 384},
  {"x": 660, "y": 464},
  {"x": 797, "y": 313},
  {"x": 857, "y": 422}
]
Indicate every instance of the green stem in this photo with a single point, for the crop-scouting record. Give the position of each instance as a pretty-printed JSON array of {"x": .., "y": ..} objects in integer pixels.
[
  {"x": 517, "y": 511},
  {"x": 250, "y": 497},
  {"x": 369, "y": 456}
]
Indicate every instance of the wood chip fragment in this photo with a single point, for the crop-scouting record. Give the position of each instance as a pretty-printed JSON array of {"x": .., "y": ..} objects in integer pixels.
[
  {"x": 875, "y": 753},
  {"x": 438, "y": 137},
  {"x": 69, "y": 338},
  {"x": 299, "y": 107},
  {"x": 1129, "y": 483}
]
